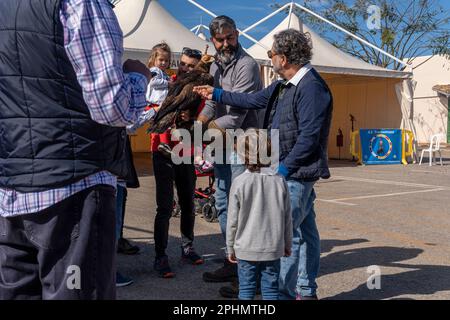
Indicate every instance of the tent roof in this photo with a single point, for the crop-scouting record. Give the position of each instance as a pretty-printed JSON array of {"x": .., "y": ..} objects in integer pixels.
[
  {"x": 146, "y": 23},
  {"x": 326, "y": 57}
]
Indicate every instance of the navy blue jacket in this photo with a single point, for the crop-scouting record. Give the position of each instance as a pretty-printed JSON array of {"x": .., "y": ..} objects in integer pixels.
[{"x": 304, "y": 125}]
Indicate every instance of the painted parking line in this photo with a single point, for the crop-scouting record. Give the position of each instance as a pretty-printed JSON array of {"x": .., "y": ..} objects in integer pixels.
[
  {"x": 429, "y": 171},
  {"x": 392, "y": 183},
  {"x": 342, "y": 201},
  {"x": 337, "y": 202}
]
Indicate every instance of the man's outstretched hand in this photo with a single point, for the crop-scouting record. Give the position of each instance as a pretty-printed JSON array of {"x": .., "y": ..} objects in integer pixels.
[{"x": 206, "y": 92}]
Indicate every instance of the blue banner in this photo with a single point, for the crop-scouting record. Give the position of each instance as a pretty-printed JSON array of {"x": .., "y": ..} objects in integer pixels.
[{"x": 381, "y": 146}]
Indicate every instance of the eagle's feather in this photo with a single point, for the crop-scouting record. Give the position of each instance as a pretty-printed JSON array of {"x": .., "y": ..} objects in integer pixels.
[{"x": 181, "y": 97}]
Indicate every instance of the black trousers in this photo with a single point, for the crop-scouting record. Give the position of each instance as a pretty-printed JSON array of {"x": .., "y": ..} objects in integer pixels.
[
  {"x": 64, "y": 252},
  {"x": 166, "y": 174}
]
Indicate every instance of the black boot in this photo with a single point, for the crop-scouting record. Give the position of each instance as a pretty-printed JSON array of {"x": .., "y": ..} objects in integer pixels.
[
  {"x": 226, "y": 273},
  {"x": 125, "y": 247},
  {"x": 232, "y": 291}
]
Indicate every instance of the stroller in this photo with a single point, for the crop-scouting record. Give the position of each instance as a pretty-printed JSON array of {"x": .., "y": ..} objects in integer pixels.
[
  {"x": 204, "y": 201},
  {"x": 204, "y": 198}
]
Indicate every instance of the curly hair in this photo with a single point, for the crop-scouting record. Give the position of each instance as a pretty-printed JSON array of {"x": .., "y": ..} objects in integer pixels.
[
  {"x": 164, "y": 47},
  {"x": 295, "y": 45}
]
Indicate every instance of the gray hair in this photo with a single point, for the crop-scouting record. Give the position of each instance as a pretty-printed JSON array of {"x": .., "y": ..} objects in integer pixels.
[
  {"x": 219, "y": 23},
  {"x": 295, "y": 45}
]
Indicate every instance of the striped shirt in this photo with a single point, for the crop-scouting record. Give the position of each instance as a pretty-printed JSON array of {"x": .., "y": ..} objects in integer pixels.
[{"x": 94, "y": 44}]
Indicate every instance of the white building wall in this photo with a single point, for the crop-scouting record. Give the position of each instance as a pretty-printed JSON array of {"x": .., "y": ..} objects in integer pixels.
[{"x": 430, "y": 111}]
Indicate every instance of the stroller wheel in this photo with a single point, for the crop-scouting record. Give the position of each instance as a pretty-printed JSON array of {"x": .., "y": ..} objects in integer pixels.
[{"x": 209, "y": 212}]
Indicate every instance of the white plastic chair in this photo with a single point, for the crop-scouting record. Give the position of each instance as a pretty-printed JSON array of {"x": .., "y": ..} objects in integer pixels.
[{"x": 435, "y": 146}]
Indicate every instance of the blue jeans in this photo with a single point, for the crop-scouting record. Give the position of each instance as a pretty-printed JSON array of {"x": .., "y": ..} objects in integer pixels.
[
  {"x": 299, "y": 271},
  {"x": 249, "y": 273},
  {"x": 224, "y": 175}
]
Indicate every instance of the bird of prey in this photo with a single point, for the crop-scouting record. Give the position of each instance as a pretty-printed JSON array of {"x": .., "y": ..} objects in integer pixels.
[{"x": 182, "y": 98}]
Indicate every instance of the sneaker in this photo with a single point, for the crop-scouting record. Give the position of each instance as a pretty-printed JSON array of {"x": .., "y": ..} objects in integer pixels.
[
  {"x": 165, "y": 149},
  {"x": 125, "y": 247},
  {"x": 204, "y": 167},
  {"x": 226, "y": 273},
  {"x": 300, "y": 297},
  {"x": 161, "y": 265},
  {"x": 122, "y": 281},
  {"x": 188, "y": 254}
]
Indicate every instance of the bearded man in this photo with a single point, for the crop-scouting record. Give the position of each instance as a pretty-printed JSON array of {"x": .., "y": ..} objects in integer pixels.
[{"x": 234, "y": 70}]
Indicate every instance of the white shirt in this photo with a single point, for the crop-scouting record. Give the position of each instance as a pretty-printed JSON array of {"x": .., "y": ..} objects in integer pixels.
[{"x": 300, "y": 74}]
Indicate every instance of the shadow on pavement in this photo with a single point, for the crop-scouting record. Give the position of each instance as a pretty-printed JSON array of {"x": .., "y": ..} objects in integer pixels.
[{"x": 420, "y": 280}]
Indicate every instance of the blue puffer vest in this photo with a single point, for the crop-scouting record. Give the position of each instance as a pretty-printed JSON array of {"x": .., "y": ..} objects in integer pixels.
[
  {"x": 47, "y": 138},
  {"x": 316, "y": 166}
]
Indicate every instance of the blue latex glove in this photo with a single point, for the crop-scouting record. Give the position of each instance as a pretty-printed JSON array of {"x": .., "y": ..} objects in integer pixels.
[{"x": 283, "y": 170}]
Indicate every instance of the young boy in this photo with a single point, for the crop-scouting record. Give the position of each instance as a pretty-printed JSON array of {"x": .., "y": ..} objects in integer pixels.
[{"x": 259, "y": 225}]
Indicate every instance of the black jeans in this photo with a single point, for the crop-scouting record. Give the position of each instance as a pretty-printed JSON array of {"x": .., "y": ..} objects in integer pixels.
[
  {"x": 166, "y": 173},
  {"x": 64, "y": 252}
]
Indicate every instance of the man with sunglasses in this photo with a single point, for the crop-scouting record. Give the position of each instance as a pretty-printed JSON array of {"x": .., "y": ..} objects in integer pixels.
[
  {"x": 189, "y": 59},
  {"x": 300, "y": 107},
  {"x": 168, "y": 174},
  {"x": 234, "y": 70}
]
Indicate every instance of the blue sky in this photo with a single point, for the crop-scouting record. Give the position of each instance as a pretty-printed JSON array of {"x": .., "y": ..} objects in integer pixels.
[{"x": 244, "y": 12}]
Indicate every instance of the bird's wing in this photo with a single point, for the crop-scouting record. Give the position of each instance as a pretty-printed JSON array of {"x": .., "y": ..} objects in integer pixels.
[
  {"x": 167, "y": 116},
  {"x": 163, "y": 124}
]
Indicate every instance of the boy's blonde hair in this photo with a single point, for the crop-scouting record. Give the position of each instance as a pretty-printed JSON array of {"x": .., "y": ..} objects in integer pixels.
[
  {"x": 252, "y": 147},
  {"x": 154, "y": 54}
]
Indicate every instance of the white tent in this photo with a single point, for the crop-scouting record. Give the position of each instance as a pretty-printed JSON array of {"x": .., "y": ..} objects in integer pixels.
[
  {"x": 199, "y": 31},
  {"x": 326, "y": 57},
  {"x": 360, "y": 89},
  {"x": 146, "y": 23}
]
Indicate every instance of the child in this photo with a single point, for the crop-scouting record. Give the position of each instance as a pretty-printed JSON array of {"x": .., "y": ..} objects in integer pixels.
[
  {"x": 158, "y": 87},
  {"x": 259, "y": 225}
]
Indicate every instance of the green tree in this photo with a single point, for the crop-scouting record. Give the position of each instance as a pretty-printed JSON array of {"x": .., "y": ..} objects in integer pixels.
[{"x": 407, "y": 28}]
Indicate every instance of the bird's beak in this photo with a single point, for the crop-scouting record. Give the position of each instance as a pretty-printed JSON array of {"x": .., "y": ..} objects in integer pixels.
[{"x": 210, "y": 59}]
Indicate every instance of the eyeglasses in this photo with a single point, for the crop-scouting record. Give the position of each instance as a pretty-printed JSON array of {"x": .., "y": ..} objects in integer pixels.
[
  {"x": 270, "y": 54},
  {"x": 193, "y": 53}
]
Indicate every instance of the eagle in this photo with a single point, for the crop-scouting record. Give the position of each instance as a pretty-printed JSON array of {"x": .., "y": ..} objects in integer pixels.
[{"x": 182, "y": 98}]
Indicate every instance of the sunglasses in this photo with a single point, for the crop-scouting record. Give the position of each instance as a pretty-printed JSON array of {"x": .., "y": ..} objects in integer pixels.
[
  {"x": 270, "y": 54},
  {"x": 193, "y": 53}
]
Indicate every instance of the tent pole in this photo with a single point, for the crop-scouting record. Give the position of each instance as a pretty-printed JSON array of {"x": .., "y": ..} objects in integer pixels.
[
  {"x": 290, "y": 13},
  {"x": 202, "y": 8},
  {"x": 241, "y": 32},
  {"x": 266, "y": 18},
  {"x": 354, "y": 36}
]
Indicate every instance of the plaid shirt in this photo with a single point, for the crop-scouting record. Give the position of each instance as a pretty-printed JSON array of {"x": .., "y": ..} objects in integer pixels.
[{"x": 94, "y": 44}]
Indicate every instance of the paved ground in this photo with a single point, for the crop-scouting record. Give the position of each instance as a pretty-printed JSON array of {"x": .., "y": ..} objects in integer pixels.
[{"x": 394, "y": 217}]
